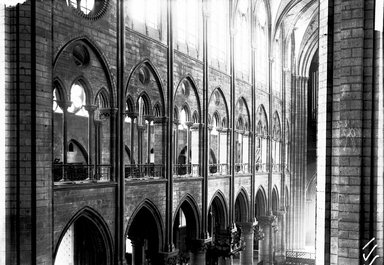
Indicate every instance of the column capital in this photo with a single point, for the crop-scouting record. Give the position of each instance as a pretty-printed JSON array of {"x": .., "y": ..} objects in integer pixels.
[
  {"x": 130, "y": 114},
  {"x": 195, "y": 126},
  {"x": 189, "y": 123},
  {"x": 149, "y": 118},
  {"x": 280, "y": 213},
  {"x": 141, "y": 127},
  {"x": 266, "y": 220},
  {"x": 169, "y": 258},
  {"x": 64, "y": 105},
  {"x": 90, "y": 108},
  {"x": 200, "y": 245},
  {"x": 160, "y": 120},
  {"x": 102, "y": 114},
  {"x": 246, "y": 226}
]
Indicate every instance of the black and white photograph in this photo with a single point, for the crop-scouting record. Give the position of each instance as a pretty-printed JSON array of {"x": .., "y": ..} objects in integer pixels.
[{"x": 191, "y": 132}]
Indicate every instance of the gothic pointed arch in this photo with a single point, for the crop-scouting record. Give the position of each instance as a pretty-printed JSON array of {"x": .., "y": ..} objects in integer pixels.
[
  {"x": 217, "y": 214},
  {"x": 85, "y": 85},
  {"x": 260, "y": 202},
  {"x": 74, "y": 143},
  {"x": 138, "y": 227},
  {"x": 242, "y": 206},
  {"x": 218, "y": 103},
  {"x": 276, "y": 129},
  {"x": 88, "y": 226},
  {"x": 147, "y": 107},
  {"x": 102, "y": 98},
  {"x": 187, "y": 91},
  {"x": 186, "y": 222},
  {"x": 221, "y": 202},
  {"x": 308, "y": 47},
  {"x": 130, "y": 104},
  {"x": 61, "y": 93},
  {"x": 96, "y": 69},
  {"x": 275, "y": 199},
  {"x": 261, "y": 116},
  {"x": 242, "y": 110},
  {"x": 144, "y": 77}
]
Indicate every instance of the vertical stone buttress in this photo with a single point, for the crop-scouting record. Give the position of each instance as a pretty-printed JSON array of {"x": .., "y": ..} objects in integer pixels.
[
  {"x": 28, "y": 173},
  {"x": 351, "y": 151}
]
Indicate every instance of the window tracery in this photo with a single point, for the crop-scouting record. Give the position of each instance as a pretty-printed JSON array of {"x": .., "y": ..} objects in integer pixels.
[
  {"x": 187, "y": 22},
  {"x": 78, "y": 99}
]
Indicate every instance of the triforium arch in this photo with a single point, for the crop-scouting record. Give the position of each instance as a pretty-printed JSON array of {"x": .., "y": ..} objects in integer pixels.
[
  {"x": 86, "y": 239},
  {"x": 144, "y": 77},
  {"x": 84, "y": 93},
  {"x": 144, "y": 124},
  {"x": 218, "y": 137},
  {"x": 242, "y": 136},
  {"x": 261, "y": 146},
  {"x": 187, "y": 92},
  {"x": 186, "y": 125},
  {"x": 80, "y": 52},
  {"x": 276, "y": 142},
  {"x": 242, "y": 206},
  {"x": 144, "y": 234}
]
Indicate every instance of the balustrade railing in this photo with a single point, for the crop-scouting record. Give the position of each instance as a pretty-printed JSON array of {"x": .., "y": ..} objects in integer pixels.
[
  {"x": 241, "y": 168},
  {"x": 186, "y": 170},
  {"x": 276, "y": 167},
  {"x": 80, "y": 172},
  {"x": 218, "y": 169},
  {"x": 144, "y": 171},
  {"x": 300, "y": 258},
  {"x": 261, "y": 167}
]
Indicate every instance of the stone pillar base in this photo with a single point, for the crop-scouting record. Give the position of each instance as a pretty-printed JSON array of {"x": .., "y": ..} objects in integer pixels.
[
  {"x": 225, "y": 261},
  {"x": 168, "y": 258},
  {"x": 279, "y": 259},
  {"x": 246, "y": 255}
]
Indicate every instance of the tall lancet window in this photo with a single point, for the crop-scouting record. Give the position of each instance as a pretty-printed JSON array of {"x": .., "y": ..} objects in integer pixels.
[
  {"x": 187, "y": 22},
  {"x": 261, "y": 32},
  {"x": 242, "y": 50}
]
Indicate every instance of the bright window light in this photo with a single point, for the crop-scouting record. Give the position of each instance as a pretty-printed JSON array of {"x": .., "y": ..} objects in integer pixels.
[
  {"x": 56, "y": 107},
  {"x": 218, "y": 35},
  {"x": 146, "y": 12},
  {"x": 86, "y": 6},
  {"x": 78, "y": 100},
  {"x": 138, "y": 10},
  {"x": 187, "y": 22}
]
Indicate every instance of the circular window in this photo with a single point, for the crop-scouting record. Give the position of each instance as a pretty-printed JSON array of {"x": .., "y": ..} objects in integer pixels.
[
  {"x": 80, "y": 55},
  {"x": 185, "y": 88},
  {"x": 144, "y": 75},
  {"x": 92, "y": 9},
  {"x": 217, "y": 98}
]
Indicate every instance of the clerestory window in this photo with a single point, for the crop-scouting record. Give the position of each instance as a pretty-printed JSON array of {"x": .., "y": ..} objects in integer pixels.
[
  {"x": 187, "y": 22},
  {"x": 146, "y": 12}
]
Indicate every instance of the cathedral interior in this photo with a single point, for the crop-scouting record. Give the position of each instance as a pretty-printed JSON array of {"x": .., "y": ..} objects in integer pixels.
[{"x": 199, "y": 132}]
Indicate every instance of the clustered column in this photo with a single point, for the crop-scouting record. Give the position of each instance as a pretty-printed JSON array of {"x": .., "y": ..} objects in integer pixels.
[
  {"x": 266, "y": 244},
  {"x": 246, "y": 256}
]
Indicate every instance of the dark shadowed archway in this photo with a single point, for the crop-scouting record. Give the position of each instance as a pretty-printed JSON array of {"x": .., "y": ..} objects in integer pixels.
[
  {"x": 241, "y": 207},
  {"x": 85, "y": 241},
  {"x": 145, "y": 236},
  {"x": 185, "y": 228}
]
